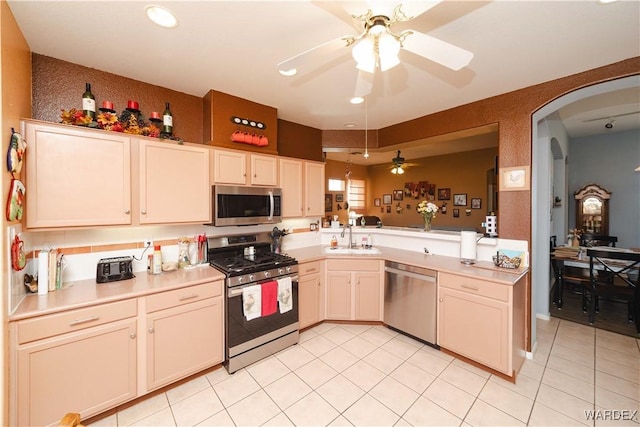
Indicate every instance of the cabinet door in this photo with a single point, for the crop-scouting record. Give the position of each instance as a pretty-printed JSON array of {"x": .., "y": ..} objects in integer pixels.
[
  {"x": 475, "y": 327},
  {"x": 309, "y": 300},
  {"x": 87, "y": 372},
  {"x": 183, "y": 340},
  {"x": 314, "y": 189},
  {"x": 174, "y": 183},
  {"x": 77, "y": 177},
  {"x": 264, "y": 170},
  {"x": 229, "y": 167},
  {"x": 292, "y": 185},
  {"x": 367, "y": 296},
  {"x": 339, "y": 295}
]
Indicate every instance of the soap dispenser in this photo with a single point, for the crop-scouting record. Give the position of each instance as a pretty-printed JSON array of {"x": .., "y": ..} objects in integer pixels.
[{"x": 334, "y": 241}]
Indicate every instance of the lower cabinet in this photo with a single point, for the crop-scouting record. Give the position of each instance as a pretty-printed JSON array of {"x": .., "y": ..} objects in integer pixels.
[
  {"x": 80, "y": 361},
  {"x": 478, "y": 319},
  {"x": 354, "y": 294},
  {"x": 89, "y": 360},
  {"x": 310, "y": 293},
  {"x": 184, "y": 333}
]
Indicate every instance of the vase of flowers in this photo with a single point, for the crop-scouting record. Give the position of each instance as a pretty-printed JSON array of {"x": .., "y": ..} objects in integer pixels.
[{"x": 428, "y": 211}]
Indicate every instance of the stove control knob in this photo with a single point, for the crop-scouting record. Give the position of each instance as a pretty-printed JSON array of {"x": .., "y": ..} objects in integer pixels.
[
  {"x": 251, "y": 278},
  {"x": 267, "y": 274},
  {"x": 280, "y": 270},
  {"x": 288, "y": 269},
  {"x": 240, "y": 279}
]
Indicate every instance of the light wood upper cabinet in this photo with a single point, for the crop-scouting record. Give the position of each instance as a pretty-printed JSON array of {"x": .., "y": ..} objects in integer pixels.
[
  {"x": 264, "y": 170},
  {"x": 173, "y": 182},
  {"x": 76, "y": 177},
  {"x": 314, "y": 188},
  {"x": 229, "y": 167},
  {"x": 292, "y": 187}
]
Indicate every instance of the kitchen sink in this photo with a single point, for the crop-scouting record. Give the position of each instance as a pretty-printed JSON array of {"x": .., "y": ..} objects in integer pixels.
[{"x": 352, "y": 251}]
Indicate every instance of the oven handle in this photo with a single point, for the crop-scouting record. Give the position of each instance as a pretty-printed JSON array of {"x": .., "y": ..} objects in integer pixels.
[
  {"x": 271, "y": 205},
  {"x": 237, "y": 291}
]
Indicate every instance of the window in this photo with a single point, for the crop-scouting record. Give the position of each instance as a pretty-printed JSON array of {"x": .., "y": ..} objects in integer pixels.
[
  {"x": 336, "y": 184},
  {"x": 356, "y": 194}
]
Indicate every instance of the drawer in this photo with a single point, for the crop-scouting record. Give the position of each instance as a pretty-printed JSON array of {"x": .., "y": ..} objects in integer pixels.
[
  {"x": 313, "y": 267},
  {"x": 354, "y": 264},
  {"x": 474, "y": 286},
  {"x": 183, "y": 296},
  {"x": 74, "y": 320}
]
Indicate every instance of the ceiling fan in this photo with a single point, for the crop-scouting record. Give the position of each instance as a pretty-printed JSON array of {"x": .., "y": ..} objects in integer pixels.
[{"x": 377, "y": 46}]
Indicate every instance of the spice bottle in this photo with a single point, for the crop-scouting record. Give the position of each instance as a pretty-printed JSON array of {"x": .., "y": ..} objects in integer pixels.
[{"x": 334, "y": 241}]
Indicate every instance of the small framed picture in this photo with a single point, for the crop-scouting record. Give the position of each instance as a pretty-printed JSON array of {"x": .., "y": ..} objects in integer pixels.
[
  {"x": 386, "y": 199},
  {"x": 444, "y": 194},
  {"x": 339, "y": 198},
  {"x": 328, "y": 202},
  {"x": 376, "y": 202},
  {"x": 515, "y": 178},
  {"x": 389, "y": 208},
  {"x": 460, "y": 199},
  {"x": 456, "y": 213},
  {"x": 398, "y": 194},
  {"x": 476, "y": 203}
]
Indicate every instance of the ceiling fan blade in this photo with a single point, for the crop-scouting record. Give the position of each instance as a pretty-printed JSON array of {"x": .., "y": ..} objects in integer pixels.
[
  {"x": 436, "y": 50},
  {"x": 306, "y": 57},
  {"x": 364, "y": 84}
]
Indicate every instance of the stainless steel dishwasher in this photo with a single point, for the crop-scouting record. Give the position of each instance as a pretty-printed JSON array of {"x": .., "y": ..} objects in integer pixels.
[{"x": 410, "y": 300}]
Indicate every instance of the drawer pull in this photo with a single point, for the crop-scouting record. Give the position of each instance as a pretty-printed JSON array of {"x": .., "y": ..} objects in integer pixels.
[
  {"x": 311, "y": 270},
  {"x": 132, "y": 335},
  {"x": 81, "y": 321},
  {"x": 192, "y": 296},
  {"x": 473, "y": 288},
  {"x": 151, "y": 330},
  {"x": 441, "y": 300}
]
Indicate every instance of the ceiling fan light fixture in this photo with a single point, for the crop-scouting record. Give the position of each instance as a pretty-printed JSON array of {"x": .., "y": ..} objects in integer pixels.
[
  {"x": 397, "y": 170},
  {"x": 388, "y": 50}
]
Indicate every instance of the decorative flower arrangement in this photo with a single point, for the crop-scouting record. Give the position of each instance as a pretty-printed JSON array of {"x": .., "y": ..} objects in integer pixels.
[
  {"x": 574, "y": 236},
  {"x": 128, "y": 122},
  {"x": 428, "y": 211}
]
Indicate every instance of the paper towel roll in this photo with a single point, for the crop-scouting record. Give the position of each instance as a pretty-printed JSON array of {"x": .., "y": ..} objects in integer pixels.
[
  {"x": 43, "y": 272},
  {"x": 468, "y": 246}
]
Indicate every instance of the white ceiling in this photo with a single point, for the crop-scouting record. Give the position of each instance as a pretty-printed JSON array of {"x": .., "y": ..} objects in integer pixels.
[{"x": 234, "y": 47}]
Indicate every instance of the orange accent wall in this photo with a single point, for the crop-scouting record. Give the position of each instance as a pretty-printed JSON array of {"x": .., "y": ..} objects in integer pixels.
[
  {"x": 302, "y": 142},
  {"x": 15, "y": 86}
]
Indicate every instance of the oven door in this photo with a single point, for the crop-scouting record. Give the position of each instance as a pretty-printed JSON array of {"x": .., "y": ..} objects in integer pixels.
[
  {"x": 243, "y": 335},
  {"x": 246, "y": 205}
]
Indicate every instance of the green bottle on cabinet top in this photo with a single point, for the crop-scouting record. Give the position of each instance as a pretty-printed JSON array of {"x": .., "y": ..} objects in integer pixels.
[
  {"x": 167, "y": 121},
  {"x": 88, "y": 102}
]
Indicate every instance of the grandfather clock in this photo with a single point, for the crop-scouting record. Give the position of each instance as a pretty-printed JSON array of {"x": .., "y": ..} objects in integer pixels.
[{"x": 592, "y": 209}]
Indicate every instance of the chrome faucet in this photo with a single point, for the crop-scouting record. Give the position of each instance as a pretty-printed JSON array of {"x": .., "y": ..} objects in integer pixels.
[{"x": 351, "y": 244}]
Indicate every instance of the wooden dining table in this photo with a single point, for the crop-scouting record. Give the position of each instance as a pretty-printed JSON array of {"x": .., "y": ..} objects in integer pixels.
[{"x": 562, "y": 258}]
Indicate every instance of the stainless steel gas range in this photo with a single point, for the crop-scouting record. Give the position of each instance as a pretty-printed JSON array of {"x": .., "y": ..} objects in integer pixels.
[{"x": 250, "y": 266}]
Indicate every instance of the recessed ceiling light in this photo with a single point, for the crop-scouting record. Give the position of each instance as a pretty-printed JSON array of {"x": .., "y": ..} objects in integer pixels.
[
  {"x": 606, "y": 1},
  {"x": 288, "y": 73},
  {"x": 357, "y": 100},
  {"x": 161, "y": 16},
  {"x": 349, "y": 125}
]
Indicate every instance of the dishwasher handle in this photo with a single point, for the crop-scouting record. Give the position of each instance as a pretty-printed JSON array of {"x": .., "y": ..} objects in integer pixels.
[{"x": 410, "y": 274}]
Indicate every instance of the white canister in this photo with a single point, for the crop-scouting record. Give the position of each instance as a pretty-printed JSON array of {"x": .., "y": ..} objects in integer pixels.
[{"x": 468, "y": 247}]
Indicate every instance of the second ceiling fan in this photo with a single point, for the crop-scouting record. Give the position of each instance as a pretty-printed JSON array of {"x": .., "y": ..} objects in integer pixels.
[{"x": 378, "y": 46}]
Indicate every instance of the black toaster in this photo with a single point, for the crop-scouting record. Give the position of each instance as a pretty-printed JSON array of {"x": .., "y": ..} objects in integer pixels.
[{"x": 114, "y": 269}]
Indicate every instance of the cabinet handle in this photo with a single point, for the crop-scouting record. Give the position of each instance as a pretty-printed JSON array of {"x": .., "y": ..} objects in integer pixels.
[
  {"x": 473, "y": 288},
  {"x": 318, "y": 282},
  {"x": 132, "y": 335},
  {"x": 81, "y": 321},
  {"x": 143, "y": 212},
  {"x": 255, "y": 175},
  {"x": 151, "y": 330},
  {"x": 188, "y": 297},
  {"x": 311, "y": 270},
  {"x": 440, "y": 300},
  {"x": 127, "y": 212}
]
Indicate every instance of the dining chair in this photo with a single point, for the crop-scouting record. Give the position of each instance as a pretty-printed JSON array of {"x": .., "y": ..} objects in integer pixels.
[
  {"x": 614, "y": 275},
  {"x": 590, "y": 240}
]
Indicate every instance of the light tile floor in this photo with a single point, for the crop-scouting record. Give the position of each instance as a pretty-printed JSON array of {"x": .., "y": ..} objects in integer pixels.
[{"x": 370, "y": 375}]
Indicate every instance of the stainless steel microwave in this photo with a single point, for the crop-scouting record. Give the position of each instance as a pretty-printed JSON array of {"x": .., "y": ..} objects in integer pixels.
[{"x": 234, "y": 205}]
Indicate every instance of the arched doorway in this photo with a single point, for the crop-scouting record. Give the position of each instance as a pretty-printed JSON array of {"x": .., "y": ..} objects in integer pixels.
[{"x": 543, "y": 172}]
